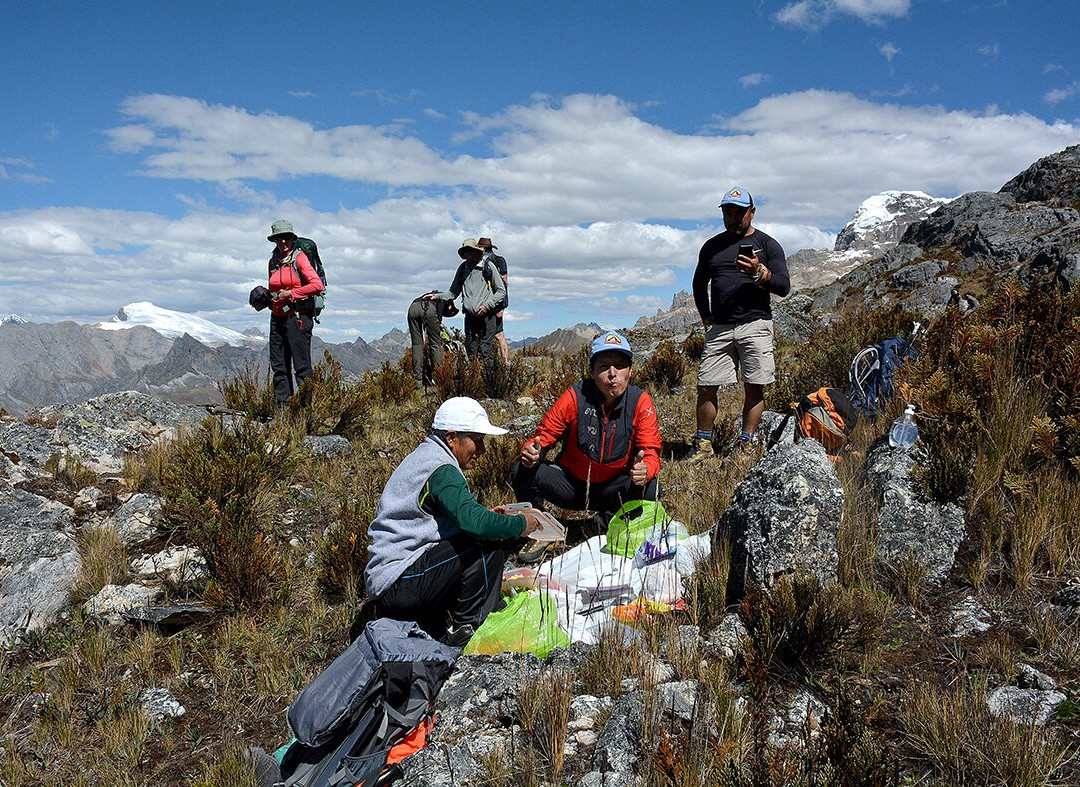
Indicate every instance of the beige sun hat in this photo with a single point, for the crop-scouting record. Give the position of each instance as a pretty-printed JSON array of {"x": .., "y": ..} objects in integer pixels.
[
  {"x": 280, "y": 227},
  {"x": 470, "y": 243}
]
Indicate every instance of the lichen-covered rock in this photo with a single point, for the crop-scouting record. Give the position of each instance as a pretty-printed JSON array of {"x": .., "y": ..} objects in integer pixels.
[
  {"x": 135, "y": 521},
  {"x": 727, "y": 638},
  {"x": 326, "y": 445},
  {"x": 102, "y": 430},
  {"x": 175, "y": 564},
  {"x": 618, "y": 746},
  {"x": 160, "y": 705},
  {"x": 112, "y": 602},
  {"x": 910, "y": 526},
  {"x": 38, "y": 561},
  {"x": 800, "y": 718},
  {"x": 1024, "y": 706},
  {"x": 968, "y": 617},
  {"x": 785, "y": 516}
]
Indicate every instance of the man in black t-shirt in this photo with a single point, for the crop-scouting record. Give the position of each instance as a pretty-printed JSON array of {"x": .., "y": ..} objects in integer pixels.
[{"x": 737, "y": 273}]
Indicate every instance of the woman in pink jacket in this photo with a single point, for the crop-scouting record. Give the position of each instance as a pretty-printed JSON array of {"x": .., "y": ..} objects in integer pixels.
[{"x": 294, "y": 283}]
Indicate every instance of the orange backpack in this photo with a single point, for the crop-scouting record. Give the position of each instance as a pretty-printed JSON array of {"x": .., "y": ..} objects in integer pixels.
[{"x": 826, "y": 415}]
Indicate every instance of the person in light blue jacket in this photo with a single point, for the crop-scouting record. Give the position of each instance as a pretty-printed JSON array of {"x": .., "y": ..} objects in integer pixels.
[{"x": 483, "y": 296}]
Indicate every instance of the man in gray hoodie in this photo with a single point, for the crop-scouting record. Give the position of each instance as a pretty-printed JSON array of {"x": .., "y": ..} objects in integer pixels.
[{"x": 483, "y": 296}]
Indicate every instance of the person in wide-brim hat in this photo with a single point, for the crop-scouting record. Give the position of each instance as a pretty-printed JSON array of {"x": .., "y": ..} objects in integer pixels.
[{"x": 292, "y": 285}]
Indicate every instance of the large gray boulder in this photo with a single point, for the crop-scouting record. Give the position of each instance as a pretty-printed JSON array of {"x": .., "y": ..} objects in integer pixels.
[
  {"x": 1054, "y": 178},
  {"x": 102, "y": 430},
  {"x": 38, "y": 562},
  {"x": 785, "y": 517},
  {"x": 910, "y": 526}
]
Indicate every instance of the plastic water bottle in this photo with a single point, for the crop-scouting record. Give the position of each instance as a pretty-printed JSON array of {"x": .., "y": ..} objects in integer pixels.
[{"x": 904, "y": 433}]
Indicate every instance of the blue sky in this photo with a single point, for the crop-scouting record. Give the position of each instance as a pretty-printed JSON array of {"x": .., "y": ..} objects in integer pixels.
[{"x": 147, "y": 146}]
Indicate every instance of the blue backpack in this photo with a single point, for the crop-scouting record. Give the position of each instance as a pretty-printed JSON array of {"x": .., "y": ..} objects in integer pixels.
[{"x": 873, "y": 370}]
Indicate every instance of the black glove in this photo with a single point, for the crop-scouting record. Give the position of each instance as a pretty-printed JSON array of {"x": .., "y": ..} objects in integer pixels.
[{"x": 260, "y": 298}]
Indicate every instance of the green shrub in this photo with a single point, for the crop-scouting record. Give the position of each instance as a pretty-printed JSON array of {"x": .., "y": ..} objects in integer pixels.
[
  {"x": 458, "y": 375},
  {"x": 799, "y": 625},
  {"x": 391, "y": 384},
  {"x": 325, "y": 404},
  {"x": 664, "y": 369},
  {"x": 341, "y": 554},
  {"x": 221, "y": 491},
  {"x": 693, "y": 346},
  {"x": 247, "y": 394}
]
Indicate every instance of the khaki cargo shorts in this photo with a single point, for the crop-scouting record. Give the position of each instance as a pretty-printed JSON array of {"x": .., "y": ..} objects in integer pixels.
[{"x": 731, "y": 348}]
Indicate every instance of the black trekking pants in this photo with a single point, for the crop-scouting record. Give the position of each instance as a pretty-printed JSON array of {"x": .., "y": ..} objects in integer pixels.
[
  {"x": 550, "y": 482},
  {"x": 480, "y": 335},
  {"x": 424, "y": 318},
  {"x": 290, "y": 352},
  {"x": 459, "y": 578}
]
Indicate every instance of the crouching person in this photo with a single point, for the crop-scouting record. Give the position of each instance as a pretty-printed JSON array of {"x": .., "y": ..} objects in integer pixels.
[
  {"x": 612, "y": 443},
  {"x": 436, "y": 555}
]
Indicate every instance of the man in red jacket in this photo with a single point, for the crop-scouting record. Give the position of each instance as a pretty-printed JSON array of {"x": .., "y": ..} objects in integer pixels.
[{"x": 611, "y": 441}]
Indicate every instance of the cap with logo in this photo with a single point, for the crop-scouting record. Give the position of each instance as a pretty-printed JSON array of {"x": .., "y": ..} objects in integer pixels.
[
  {"x": 463, "y": 414},
  {"x": 738, "y": 196},
  {"x": 610, "y": 341}
]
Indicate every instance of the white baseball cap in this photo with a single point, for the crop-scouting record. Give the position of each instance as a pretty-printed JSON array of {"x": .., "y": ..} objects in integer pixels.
[{"x": 463, "y": 414}]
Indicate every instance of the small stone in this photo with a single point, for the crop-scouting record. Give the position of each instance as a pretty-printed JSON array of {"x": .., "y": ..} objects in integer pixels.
[
  {"x": 1024, "y": 706},
  {"x": 585, "y": 737},
  {"x": 175, "y": 564},
  {"x": 1027, "y": 677},
  {"x": 968, "y": 617},
  {"x": 87, "y": 499},
  {"x": 160, "y": 704},
  {"x": 112, "y": 602}
]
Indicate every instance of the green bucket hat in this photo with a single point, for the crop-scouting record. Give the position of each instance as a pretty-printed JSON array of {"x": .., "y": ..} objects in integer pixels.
[{"x": 281, "y": 227}]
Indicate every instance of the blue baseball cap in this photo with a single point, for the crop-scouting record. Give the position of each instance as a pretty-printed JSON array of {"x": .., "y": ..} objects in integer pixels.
[
  {"x": 610, "y": 341},
  {"x": 738, "y": 196}
]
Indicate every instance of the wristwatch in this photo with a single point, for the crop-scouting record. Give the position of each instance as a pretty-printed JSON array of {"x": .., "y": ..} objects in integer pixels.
[{"x": 760, "y": 273}]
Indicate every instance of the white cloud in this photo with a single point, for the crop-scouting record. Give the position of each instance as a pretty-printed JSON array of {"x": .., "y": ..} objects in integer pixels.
[
  {"x": 386, "y": 96},
  {"x": 752, "y": 80},
  {"x": 1051, "y": 68},
  {"x": 889, "y": 50},
  {"x": 1061, "y": 93},
  {"x": 990, "y": 50},
  {"x": 582, "y": 195},
  {"x": 301, "y": 94},
  {"x": 815, "y": 14}
]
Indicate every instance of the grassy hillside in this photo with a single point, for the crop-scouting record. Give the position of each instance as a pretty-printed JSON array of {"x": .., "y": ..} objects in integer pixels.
[{"x": 284, "y": 536}]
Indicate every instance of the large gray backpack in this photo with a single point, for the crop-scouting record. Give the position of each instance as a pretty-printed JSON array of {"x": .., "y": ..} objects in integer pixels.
[{"x": 346, "y": 721}]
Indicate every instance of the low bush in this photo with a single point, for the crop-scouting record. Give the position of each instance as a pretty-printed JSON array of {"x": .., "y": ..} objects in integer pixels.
[
  {"x": 663, "y": 370},
  {"x": 325, "y": 404},
  {"x": 693, "y": 346},
  {"x": 251, "y": 392},
  {"x": 458, "y": 375},
  {"x": 799, "y": 625},
  {"x": 221, "y": 491}
]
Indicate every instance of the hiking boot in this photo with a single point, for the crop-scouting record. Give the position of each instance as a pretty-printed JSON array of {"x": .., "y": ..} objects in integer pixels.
[
  {"x": 704, "y": 450},
  {"x": 458, "y": 636},
  {"x": 534, "y": 551}
]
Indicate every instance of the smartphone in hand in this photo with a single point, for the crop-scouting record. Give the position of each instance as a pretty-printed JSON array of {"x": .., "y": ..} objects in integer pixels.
[{"x": 746, "y": 250}]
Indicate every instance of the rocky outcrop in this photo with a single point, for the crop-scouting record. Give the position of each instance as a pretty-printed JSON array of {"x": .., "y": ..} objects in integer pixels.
[
  {"x": 785, "y": 516},
  {"x": 1054, "y": 179},
  {"x": 911, "y": 527},
  {"x": 38, "y": 562}
]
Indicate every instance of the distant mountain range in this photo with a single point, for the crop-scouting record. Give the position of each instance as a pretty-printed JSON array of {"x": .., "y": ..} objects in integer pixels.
[
  {"x": 177, "y": 356},
  {"x": 898, "y": 247}
]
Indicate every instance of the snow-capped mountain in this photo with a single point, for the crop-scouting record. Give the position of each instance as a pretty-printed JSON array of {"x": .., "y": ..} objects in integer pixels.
[
  {"x": 12, "y": 319},
  {"x": 882, "y": 219},
  {"x": 876, "y": 226},
  {"x": 174, "y": 324}
]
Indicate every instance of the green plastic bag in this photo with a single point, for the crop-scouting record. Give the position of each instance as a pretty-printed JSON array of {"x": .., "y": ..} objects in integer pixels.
[
  {"x": 528, "y": 624},
  {"x": 631, "y": 523}
]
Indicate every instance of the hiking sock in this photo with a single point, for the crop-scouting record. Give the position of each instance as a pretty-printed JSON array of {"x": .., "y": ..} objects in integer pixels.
[
  {"x": 746, "y": 436},
  {"x": 704, "y": 434}
]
